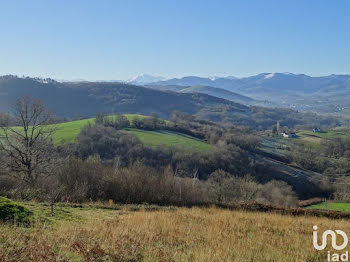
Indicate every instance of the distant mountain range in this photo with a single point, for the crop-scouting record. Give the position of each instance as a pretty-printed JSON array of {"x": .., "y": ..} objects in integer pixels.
[
  {"x": 86, "y": 99},
  {"x": 282, "y": 82},
  {"x": 325, "y": 94}
]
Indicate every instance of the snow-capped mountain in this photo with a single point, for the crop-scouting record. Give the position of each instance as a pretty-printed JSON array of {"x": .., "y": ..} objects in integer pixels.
[
  {"x": 213, "y": 78},
  {"x": 143, "y": 79},
  {"x": 297, "y": 91},
  {"x": 267, "y": 82}
]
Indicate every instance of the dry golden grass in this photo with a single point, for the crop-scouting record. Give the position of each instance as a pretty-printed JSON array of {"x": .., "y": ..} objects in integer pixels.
[{"x": 197, "y": 234}]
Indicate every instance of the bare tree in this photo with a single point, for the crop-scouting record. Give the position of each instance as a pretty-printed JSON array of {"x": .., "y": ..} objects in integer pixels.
[
  {"x": 54, "y": 191},
  {"x": 26, "y": 140}
]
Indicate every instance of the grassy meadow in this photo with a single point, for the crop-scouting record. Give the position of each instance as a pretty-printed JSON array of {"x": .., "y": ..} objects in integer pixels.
[
  {"x": 141, "y": 233},
  {"x": 67, "y": 132},
  {"x": 344, "y": 207},
  {"x": 169, "y": 139},
  {"x": 329, "y": 134}
]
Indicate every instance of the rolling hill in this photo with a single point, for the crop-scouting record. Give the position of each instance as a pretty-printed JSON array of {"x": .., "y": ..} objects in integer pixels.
[
  {"x": 69, "y": 131},
  {"x": 86, "y": 99},
  {"x": 301, "y": 179},
  {"x": 209, "y": 90},
  {"x": 219, "y": 92},
  {"x": 169, "y": 139}
]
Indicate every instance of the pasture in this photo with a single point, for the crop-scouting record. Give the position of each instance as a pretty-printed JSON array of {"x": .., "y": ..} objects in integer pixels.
[
  {"x": 68, "y": 132},
  {"x": 151, "y": 233},
  {"x": 335, "y": 206}
]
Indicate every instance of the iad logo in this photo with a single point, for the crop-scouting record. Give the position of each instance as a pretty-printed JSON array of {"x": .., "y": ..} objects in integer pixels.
[
  {"x": 334, "y": 256},
  {"x": 333, "y": 237}
]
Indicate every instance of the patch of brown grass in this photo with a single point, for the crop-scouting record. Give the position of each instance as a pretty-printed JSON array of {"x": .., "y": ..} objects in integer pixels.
[{"x": 196, "y": 234}]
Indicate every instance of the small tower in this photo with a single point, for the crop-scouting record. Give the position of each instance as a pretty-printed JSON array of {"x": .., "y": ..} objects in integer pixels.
[{"x": 278, "y": 127}]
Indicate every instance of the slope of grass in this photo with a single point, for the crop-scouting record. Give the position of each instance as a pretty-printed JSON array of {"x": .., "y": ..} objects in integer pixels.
[
  {"x": 329, "y": 134},
  {"x": 314, "y": 140},
  {"x": 169, "y": 139},
  {"x": 66, "y": 132},
  {"x": 69, "y": 131},
  {"x": 181, "y": 234},
  {"x": 217, "y": 92},
  {"x": 344, "y": 207}
]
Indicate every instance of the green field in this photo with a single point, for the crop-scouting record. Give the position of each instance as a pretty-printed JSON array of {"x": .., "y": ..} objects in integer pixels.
[
  {"x": 315, "y": 140},
  {"x": 68, "y": 132},
  {"x": 329, "y": 134},
  {"x": 344, "y": 207},
  {"x": 169, "y": 139},
  {"x": 306, "y": 138}
]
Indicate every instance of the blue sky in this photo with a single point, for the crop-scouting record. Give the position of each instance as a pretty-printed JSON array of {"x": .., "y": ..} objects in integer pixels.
[{"x": 110, "y": 40}]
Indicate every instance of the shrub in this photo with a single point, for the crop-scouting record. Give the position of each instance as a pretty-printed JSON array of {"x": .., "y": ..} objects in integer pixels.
[
  {"x": 277, "y": 193},
  {"x": 13, "y": 212},
  {"x": 228, "y": 188}
]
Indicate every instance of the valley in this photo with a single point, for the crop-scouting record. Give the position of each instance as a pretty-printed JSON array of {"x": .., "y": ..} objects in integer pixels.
[
  {"x": 122, "y": 156},
  {"x": 174, "y": 131}
]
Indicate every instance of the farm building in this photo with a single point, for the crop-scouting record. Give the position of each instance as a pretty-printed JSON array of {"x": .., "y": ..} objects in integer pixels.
[{"x": 289, "y": 135}]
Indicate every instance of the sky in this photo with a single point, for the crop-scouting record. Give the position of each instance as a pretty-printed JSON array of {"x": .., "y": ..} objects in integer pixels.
[{"x": 117, "y": 39}]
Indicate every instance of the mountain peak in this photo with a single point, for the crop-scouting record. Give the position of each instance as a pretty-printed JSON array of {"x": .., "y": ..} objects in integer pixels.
[
  {"x": 269, "y": 75},
  {"x": 145, "y": 79},
  {"x": 213, "y": 78}
]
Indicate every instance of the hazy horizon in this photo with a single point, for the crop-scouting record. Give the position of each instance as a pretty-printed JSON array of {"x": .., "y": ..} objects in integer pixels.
[{"x": 165, "y": 78}]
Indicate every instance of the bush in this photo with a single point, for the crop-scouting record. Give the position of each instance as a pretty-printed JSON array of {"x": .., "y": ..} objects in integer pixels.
[
  {"x": 277, "y": 193},
  {"x": 13, "y": 212},
  {"x": 228, "y": 188}
]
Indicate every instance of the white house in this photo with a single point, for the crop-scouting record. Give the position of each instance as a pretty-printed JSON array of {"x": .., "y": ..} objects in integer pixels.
[{"x": 289, "y": 135}]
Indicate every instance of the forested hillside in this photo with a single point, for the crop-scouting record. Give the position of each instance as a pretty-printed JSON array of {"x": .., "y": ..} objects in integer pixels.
[{"x": 85, "y": 99}]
